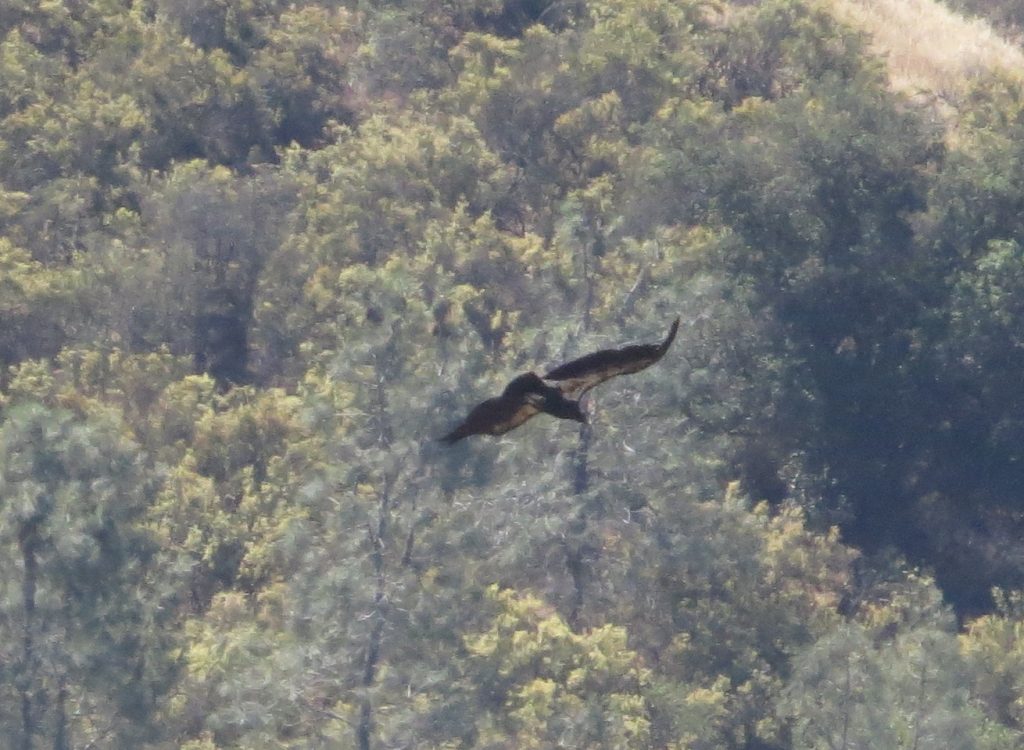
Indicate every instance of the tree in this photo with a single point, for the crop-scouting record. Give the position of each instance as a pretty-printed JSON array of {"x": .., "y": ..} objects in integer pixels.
[
  {"x": 992, "y": 648},
  {"x": 538, "y": 684},
  {"x": 38, "y": 307},
  {"x": 83, "y": 650},
  {"x": 848, "y": 692}
]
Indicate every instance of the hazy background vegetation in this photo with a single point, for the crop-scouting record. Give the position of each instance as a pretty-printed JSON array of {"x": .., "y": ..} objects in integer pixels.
[{"x": 256, "y": 255}]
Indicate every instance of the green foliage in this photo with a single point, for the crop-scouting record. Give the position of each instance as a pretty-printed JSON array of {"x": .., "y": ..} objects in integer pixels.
[
  {"x": 256, "y": 255},
  {"x": 848, "y": 692},
  {"x": 84, "y": 653},
  {"x": 548, "y": 685},
  {"x": 37, "y": 305},
  {"x": 1006, "y": 16},
  {"x": 992, "y": 648}
]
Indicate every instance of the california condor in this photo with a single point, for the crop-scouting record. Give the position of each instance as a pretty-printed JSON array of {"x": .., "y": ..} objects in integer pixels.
[{"x": 559, "y": 392}]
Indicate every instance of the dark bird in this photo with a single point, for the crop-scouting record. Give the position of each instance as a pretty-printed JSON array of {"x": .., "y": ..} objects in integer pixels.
[{"x": 559, "y": 392}]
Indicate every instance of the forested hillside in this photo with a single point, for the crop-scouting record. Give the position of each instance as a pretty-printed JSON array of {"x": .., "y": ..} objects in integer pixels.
[{"x": 257, "y": 255}]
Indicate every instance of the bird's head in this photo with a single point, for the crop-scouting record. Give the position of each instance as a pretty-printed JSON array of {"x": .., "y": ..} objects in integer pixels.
[{"x": 564, "y": 408}]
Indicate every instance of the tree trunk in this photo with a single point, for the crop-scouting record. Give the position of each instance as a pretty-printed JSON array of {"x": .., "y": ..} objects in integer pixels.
[
  {"x": 28, "y": 542},
  {"x": 378, "y": 538},
  {"x": 364, "y": 729},
  {"x": 61, "y": 740}
]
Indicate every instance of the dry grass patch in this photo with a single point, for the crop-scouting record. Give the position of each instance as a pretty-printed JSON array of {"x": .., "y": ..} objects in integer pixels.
[{"x": 931, "y": 50}]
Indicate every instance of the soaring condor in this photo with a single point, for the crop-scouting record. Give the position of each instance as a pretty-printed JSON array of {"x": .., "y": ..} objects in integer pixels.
[{"x": 559, "y": 392}]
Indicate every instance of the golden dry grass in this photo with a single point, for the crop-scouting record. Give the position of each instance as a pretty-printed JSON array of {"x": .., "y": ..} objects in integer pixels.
[{"x": 930, "y": 50}]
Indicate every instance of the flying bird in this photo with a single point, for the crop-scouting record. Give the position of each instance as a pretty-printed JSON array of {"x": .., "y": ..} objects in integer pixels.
[{"x": 559, "y": 392}]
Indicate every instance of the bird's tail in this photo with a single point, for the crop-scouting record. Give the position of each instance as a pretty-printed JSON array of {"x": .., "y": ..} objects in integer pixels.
[{"x": 454, "y": 436}]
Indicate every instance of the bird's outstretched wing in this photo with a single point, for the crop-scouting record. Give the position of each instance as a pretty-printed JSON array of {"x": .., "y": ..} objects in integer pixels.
[
  {"x": 558, "y": 393},
  {"x": 496, "y": 416},
  {"x": 577, "y": 377}
]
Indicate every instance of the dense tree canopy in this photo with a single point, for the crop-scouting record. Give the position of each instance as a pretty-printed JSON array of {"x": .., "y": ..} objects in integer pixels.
[{"x": 255, "y": 256}]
